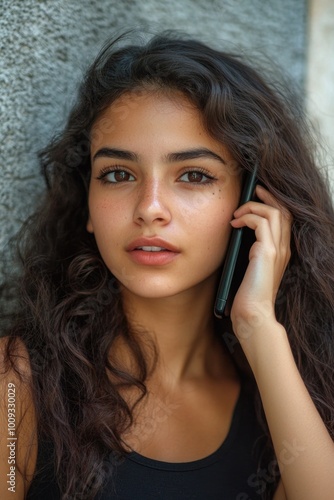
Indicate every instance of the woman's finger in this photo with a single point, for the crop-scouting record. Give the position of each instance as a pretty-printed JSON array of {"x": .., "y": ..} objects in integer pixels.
[{"x": 279, "y": 217}]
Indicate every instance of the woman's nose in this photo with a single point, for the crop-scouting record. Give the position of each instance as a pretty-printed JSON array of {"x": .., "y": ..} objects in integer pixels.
[{"x": 152, "y": 204}]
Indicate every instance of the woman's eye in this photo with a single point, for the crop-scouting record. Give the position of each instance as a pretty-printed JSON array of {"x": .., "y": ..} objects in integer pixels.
[
  {"x": 115, "y": 176},
  {"x": 197, "y": 177}
]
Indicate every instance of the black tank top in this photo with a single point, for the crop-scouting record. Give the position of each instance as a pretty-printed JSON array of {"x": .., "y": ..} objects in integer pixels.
[{"x": 230, "y": 473}]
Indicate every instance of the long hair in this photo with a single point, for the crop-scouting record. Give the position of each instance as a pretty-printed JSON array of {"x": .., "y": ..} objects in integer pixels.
[{"x": 70, "y": 311}]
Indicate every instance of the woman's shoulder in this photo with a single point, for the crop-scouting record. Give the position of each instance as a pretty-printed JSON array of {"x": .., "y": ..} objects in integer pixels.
[
  {"x": 13, "y": 349},
  {"x": 18, "y": 441},
  {"x": 15, "y": 368}
]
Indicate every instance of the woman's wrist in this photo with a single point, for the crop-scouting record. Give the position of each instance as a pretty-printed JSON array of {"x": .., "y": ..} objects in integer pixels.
[{"x": 262, "y": 339}]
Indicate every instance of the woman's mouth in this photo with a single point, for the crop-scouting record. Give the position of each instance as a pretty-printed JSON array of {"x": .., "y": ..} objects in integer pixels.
[{"x": 158, "y": 253}]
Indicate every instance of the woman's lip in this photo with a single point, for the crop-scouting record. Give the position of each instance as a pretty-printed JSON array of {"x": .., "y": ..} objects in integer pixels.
[
  {"x": 153, "y": 258},
  {"x": 151, "y": 242}
]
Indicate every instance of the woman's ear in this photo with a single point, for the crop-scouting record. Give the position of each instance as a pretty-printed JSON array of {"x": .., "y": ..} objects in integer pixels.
[{"x": 89, "y": 225}]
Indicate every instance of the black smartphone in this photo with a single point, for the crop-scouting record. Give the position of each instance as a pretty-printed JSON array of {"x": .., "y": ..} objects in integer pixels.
[{"x": 237, "y": 253}]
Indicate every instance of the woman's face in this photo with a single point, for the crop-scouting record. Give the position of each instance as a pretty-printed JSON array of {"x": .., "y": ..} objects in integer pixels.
[{"x": 161, "y": 195}]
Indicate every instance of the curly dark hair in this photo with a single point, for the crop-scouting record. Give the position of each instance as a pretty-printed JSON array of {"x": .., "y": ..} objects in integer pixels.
[{"x": 70, "y": 309}]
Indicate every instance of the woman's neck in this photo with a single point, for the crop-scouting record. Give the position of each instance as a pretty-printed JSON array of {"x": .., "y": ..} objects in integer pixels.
[{"x": 182, "y": 328}]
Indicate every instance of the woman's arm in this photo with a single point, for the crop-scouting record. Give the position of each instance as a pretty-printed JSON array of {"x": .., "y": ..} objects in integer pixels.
[
  {"x": 280, "y": 492},
  {"x": 303, "y": 446},
  {"x": 18, "y": 443}
]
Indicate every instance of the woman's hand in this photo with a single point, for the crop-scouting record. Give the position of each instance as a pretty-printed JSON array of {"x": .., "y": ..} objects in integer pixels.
[{"x": 253, "y": 307}]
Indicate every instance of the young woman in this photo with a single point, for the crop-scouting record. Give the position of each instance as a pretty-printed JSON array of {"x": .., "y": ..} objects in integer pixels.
[{"x": 119, "y": 381}]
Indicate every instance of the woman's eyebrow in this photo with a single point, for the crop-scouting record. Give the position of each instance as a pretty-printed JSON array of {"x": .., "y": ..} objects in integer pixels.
[
  {"x": 192, "y": 154},
  {"x": 189, "y": 154},
  {"x": 118, "y": 154}
]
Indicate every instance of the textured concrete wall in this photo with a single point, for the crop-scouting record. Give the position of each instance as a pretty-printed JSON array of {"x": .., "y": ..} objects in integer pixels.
[
  {"x": 320, "y": 76},
  {"x": 45, "y": 45}
]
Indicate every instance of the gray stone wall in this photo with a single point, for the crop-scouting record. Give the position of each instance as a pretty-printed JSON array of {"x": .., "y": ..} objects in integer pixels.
[
  {"x": 320, "y": 78},
  {"x": 45, "y": 46}
]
